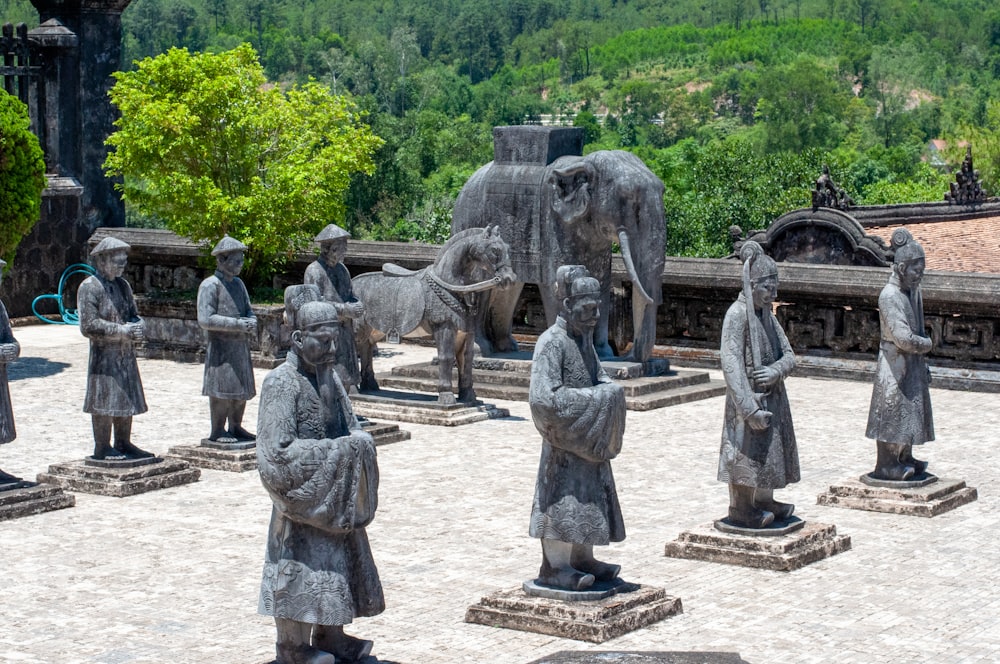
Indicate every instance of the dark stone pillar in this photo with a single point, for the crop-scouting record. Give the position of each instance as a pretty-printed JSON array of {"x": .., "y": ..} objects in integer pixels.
[{"x": 97, "y": 25}]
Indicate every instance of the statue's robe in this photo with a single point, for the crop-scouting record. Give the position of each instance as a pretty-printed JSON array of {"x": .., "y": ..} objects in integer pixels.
[
  {"x": 580, "y": 414},
  {"x": 228, "y": 368},
  {"x": 765, "y": 459},
  {"x": 7, "y": 340},
  {"x": 334, "y": 283},
  {"x": 321, "y": 472},
  {"x": 900, "y": 410},
  {"x": 113, "y": 385}
]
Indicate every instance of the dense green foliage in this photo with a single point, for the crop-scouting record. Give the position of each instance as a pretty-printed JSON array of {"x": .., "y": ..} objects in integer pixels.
[
  {"x": 22, "y": 175},
  {"x": 205, "y": 144},
  {"x": 713, "y": 94}
]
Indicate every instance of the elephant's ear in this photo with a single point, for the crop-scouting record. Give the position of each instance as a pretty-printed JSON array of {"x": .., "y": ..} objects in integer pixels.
[{"x": 569, "y": 191}]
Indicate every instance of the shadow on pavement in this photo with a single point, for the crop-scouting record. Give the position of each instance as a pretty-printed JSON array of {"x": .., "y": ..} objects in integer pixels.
[{"x": 34, "y": 367}]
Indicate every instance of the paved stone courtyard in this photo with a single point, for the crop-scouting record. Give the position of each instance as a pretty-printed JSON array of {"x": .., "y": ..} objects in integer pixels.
[{"x": 172, "y": 576}]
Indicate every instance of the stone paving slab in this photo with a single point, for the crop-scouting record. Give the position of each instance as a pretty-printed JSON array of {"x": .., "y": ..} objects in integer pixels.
[{"x": 172, "y": 576}]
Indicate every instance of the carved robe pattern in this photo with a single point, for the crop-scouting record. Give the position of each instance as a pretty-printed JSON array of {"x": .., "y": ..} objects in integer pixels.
[
  {"x": 900, "y": 410},
  {"x": 765, "y": 459},
  {"x": 113, "y": 385},
  {"x": 7, "y": 340},
  {"x": 334, "y": 282},
  {"x": 228, "y": 368},
  {"x": 321, "y": 471},
  {"x": 580, "y": 414}
]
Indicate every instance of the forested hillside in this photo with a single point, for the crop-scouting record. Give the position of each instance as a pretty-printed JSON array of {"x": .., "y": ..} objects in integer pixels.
[{"x": 735, "y": 104}]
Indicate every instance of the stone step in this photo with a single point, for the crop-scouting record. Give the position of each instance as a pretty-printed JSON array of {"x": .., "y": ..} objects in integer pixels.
[
  {"x": 26, "y": 501},
  {"x": 426, "y": 374},
  {"x": 385, "y": 433},
  {"x": 685, "y": 387}
]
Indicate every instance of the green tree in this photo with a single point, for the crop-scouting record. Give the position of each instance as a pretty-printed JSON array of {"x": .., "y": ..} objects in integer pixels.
[
  {"x": 206, "y": 144},
  {"x": 22, "y": 175},
  {"x": 802, "y": 106}
]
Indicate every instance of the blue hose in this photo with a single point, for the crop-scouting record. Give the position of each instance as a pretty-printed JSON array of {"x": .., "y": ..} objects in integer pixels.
[{"x": 68, "y": 316}]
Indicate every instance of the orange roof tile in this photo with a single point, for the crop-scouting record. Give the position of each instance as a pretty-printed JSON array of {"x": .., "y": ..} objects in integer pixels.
[{"x": 966, "y": 245}]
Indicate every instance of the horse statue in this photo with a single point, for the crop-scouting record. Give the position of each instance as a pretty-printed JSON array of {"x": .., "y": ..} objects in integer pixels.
[{"x": 439, "y": 300}]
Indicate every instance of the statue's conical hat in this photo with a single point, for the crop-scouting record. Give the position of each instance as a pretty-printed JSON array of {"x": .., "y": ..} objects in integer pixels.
[
  {"x": 108, "y": 245},
  {"x": 330, "y": 233},
  {"x": 227, "y": 245}
]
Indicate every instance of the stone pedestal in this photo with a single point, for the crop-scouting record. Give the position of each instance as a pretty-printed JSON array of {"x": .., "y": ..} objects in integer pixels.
[
  {"x": 508, "y": 376},
  {"x": 641, "y": 657},
  {"x": 233, "y": 457},
  {"x": 422, "y": 408},
  {"x": 120, "y": 478},
  {"x": 27, "y": 498},
  {"x": 385, "y": 433},
  {"x": 626, "y": 608},
  {"x": 784, "y": 547},
  {"x": 924, "y": 496}
]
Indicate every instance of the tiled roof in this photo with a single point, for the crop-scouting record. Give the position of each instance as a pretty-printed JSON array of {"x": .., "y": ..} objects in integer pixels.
[{"x": 966, "y": 245}]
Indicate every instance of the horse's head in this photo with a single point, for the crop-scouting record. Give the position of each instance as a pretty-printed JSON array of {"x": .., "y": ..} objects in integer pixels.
[{"x": 493, "y": 254}]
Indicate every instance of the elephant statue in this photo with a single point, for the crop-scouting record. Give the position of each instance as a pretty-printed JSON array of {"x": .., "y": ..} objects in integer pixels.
[{"x": 555, "y": 207}]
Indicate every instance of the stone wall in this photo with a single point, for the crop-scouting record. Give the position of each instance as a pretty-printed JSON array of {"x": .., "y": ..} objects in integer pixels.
[{"x": 829, "y": 312}]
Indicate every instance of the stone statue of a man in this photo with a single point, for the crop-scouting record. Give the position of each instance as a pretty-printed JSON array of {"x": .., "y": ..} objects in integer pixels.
[
  {"x": 321, "y": 471},
  {"x": 758, "y": 452},
  {"x": 329, "y": 273},
  {"x": 900, "y": 413},
  {"x": 9, "y": 351},
  {"x": 580, "y": 414},
  {"x": 110, "y": 319},
  {"x": 225, "y": 314}
]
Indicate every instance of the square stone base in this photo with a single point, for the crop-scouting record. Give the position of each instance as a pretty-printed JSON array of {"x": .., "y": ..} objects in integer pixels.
[
  {"x": 15, "y": 503},
  {"x": 930, "y": 500},
  {"x": 640, "y": 657},
  {"x": 594, "y": 621},
  {"x": 422, "y": 409},
  {"x": 232, "y": 459},
  {"x": 120, "y": 482},
  {"x": 782, "y": 553},
  {"x": 384, "y": 433}
]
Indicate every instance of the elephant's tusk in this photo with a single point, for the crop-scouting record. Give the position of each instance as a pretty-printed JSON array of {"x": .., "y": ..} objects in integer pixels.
[{"x": 626, "y": 246}]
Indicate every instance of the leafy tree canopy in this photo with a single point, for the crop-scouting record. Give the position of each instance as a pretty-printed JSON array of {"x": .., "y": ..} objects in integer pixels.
[
  {"x": 207, "y": 145},
  {"x": 22, "y": 175}
]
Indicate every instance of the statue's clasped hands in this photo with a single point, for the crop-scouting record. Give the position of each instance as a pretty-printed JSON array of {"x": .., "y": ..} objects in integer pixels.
[
  {"x": 136, "y": 331},
  {"x": 249, "y": 325},
  {"x": 759, "y": 420}
]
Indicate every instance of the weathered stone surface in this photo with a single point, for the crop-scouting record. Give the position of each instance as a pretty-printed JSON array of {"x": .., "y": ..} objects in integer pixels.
[
  {"x": 120, "y": 482},
  {"x": 236, "y": 459},
  {"x": 609, "y": 657},
  {"x": 599, "y": 590},
  {"x": 422, "y": 409},
  {"x": 385, "y": 433},
  {"x": 776, "y": 529},
  {"x": 814, "y": 541},
  {"x": 595, "y": 621},
  {"x": 507, "y": 378},
  {"x": 928, "y": 500},
  {"x": 15, "y": 503}
]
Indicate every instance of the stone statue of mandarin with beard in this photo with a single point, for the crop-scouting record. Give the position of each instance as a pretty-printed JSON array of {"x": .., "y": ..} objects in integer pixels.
[
  {"x": 758, "y": 452},
  {"x": 321, "y": 472},
  {"x": 580, "y": 414}
]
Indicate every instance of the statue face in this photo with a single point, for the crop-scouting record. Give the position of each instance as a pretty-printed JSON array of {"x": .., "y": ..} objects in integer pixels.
[
  {"x": 318, "y": 344},
  {"x": 583, "y": 311},
  {"x": 910, "y": 273},
  {"x": 112, "y": 264},
  {"x": 764, "y": 290},
  {"x": 230, "y": 264},
  {"x": 335, "y": 251}
]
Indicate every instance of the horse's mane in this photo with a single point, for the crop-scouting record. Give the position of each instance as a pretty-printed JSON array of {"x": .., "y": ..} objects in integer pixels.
[{"x": 462, "y": 235}]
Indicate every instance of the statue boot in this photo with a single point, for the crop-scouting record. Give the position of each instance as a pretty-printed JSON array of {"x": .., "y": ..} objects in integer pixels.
[
  {"x": 556, "y": 569},
  {"x": 742, "y": 510},
  {"x": 102, "y": 425},
  {"x": 7, "y": 478},
  {"x": 890, "y": 464},
  {"x": 764, "y": 499},
  {"x": 919, "y": 466},
  {"x": 293, "y": 646},
  {"x": 346, "y": 648},
  {"x": 582, "y": 558}
]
